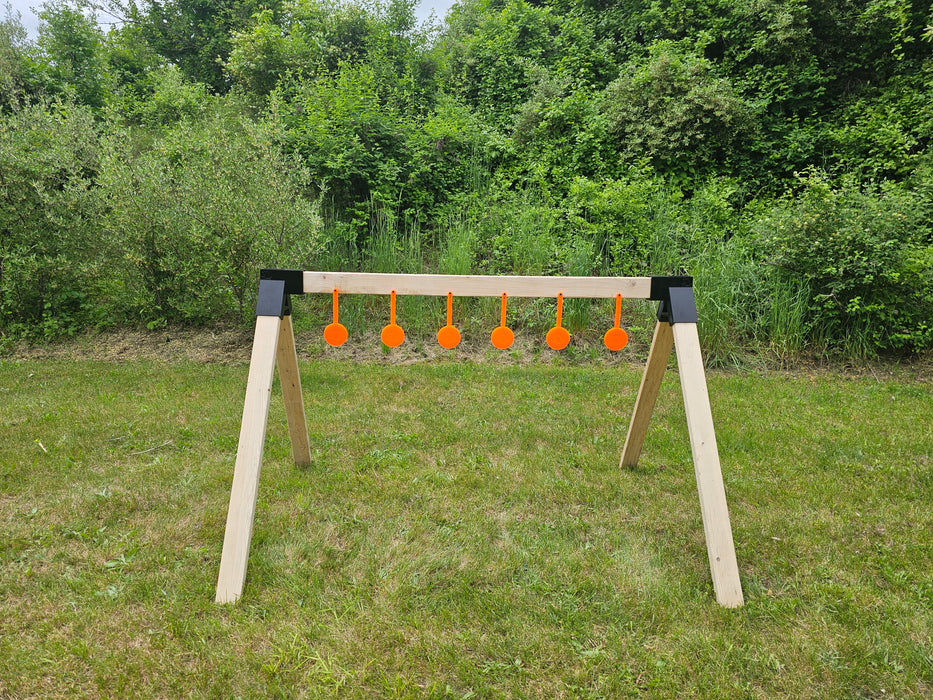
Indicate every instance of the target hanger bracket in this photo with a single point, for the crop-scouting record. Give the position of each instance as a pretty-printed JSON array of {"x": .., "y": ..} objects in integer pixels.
[
  {"x": 677, "y": 303},
  {"x": 273, "y": 299}
]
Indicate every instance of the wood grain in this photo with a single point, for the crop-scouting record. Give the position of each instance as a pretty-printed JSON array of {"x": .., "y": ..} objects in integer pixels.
[
  {"x": 287, "y": 361},
  {"x": 239, "y": 529},
  {"x": 658, "y": 357},
  {"x": 712, "y": 492},
  {"x": 476, "y": 285}
]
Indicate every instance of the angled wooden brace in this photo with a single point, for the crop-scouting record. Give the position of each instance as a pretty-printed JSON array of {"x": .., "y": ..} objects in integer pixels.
[
  {"x": 273, "y": 343},
  {"x": 677, "y": 327}
]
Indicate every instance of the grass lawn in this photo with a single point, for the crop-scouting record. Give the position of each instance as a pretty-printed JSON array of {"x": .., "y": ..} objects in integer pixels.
[{"x": 464, "y": 531}]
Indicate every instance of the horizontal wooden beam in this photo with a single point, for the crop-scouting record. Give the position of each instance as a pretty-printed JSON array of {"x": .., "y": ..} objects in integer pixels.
[{"x": 476, "y": 285}]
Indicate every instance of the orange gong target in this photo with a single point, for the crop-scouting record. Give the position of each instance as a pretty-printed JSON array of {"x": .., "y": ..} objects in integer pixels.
[
  {"x": 393, "y": 335},
  {"x": 449, "y": 336},
  {"x": 557, "y": 338},
  {"x": 616, "y": 338},
  {"x": 502, "y": 337},
  {"x": 336, "y": 333}
]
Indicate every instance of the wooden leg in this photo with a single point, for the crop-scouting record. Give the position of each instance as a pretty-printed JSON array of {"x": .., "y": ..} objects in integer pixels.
[
  {"x": 648, "y": 393},
  {"x": 287, "y": 360},
  {"x": 712, "y": 492},
  {"x": 245, "y": 487}
]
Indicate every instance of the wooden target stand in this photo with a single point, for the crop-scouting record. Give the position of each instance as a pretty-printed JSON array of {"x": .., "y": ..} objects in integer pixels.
[{"x": 274, "y": 344}]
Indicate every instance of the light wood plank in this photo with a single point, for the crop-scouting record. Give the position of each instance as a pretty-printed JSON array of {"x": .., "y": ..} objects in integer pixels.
[
  {"x": 658, "y": 357},
  {"x": 239, "y": 530},
  {"x": 477, "y": 285},
  {"x": 287, "y": 361},
  {"x": 710, "y": 486}
]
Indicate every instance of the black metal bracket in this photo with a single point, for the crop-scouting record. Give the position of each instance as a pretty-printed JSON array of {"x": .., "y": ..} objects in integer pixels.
[
  {"x": 273, "y": 299},
  {"x": 275, "y": 290},
  {"x": 294, "y": 279},
  {"x": 677, "y": 303}
]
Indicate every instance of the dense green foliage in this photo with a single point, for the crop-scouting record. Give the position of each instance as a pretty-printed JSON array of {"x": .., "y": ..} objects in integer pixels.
[
  {"x": 778, "y": 151},
  {"x": 195, "y": 217}
]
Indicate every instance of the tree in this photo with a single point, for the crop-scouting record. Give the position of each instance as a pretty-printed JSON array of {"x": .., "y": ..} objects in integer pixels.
[
  {"x": 675, "y": 110},
  {"x": 196, "y": 34},
  {"x": 310, "y": 38},
  {"x": 16, "y": 63},
  {"x": 72, "y": 47}
]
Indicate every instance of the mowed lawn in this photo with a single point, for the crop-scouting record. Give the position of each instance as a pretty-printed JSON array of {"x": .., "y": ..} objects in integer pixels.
[{"x": 464, "y": 531}]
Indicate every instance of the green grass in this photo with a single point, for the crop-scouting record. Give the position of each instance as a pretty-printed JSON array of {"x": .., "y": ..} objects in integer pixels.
[{"x": 464, "y": 531}]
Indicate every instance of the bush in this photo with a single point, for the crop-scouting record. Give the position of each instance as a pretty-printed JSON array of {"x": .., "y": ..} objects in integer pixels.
[
  {"x": 864, "y": 255},
  {"x": 674, "y": 109},
  {"x": 617, "y": 218},
  {"x": 166, "y": 98},
  {"x": 53, "y": 262},
  {"x": 353, "y": 139},
  {"x": 198, "y": 213}
]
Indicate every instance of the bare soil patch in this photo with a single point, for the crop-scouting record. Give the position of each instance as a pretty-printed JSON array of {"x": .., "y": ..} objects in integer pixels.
[
  {"x": 232, "y": 345},
  {"x": 221, "y": 344}
]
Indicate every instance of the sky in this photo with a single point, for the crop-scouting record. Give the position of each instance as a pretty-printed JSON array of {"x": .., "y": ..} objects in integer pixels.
[
  {"x": 31, "y": 22},
  {"x": 439, "y": 7}
]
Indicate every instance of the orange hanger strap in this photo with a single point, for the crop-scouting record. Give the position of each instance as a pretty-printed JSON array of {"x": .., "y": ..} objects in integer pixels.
[
  {"x": 335, "y": 334},
  {"x": 449, "y": 336},
  {"x": 393, "y": 335},
  {"x": 616, "y": 338},
  {"x": 502, "y": 336},
  {"x": 558, "y": 338}
]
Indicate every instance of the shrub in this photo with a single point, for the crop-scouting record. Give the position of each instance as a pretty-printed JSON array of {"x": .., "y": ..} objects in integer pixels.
[
  {"x": 864, "y": 255},
  {"x": 674, "y": 109},
  {"x": 447, "y": 154},
  {"x": 166, "y": 98},
  {"x": 353, "y": 139},
  {"x": 198, "y": 213},
  {"x": 616, "y": 217},
  {"x": 52, "y": 258}
]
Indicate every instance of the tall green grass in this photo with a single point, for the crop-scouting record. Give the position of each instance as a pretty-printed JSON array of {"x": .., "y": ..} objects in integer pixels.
[{"x": 750, "y": 307}]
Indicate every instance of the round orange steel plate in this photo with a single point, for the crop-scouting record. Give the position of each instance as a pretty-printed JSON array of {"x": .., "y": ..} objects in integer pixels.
[
  {"x": 557, "y": 338},
  {"x": 335, "y": 334},
  {"x": 393, "y": 335},
  {"x": 615, "y": 339},
  {"x": 448, "y": 337},
  {"x": 502, "y": 337}
]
